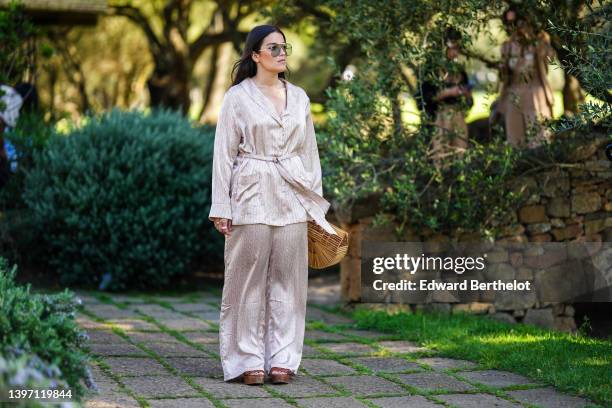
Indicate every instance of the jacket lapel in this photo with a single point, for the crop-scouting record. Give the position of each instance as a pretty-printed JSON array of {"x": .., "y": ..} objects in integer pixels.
[{"x": 262, "y": 100}]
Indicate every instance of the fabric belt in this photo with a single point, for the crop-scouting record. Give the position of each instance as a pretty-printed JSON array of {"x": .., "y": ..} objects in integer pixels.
[{"x": 314, "y": 204}]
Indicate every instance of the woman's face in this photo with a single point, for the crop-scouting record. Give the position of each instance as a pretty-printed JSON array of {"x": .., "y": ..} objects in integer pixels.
[
  {"x": 264, "y": 56},
  {"x": 452, "y": 50}
]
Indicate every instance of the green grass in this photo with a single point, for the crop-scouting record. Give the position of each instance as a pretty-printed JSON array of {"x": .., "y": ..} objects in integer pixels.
[{"x": 573, "y": 363}]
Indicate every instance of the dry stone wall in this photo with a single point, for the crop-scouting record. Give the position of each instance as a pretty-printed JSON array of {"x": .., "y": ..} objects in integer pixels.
[{"x": 570, "y": 203}]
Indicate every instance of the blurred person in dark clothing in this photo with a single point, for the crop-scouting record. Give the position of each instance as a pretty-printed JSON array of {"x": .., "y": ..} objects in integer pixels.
[{"x": 446, "y": 100}]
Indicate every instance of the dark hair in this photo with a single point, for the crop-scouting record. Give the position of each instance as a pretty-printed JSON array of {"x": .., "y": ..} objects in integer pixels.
[
  {"x": 452, "y": 34},
  {"x": 520, "y": 15},
  {"x": 245, "y": 67}
]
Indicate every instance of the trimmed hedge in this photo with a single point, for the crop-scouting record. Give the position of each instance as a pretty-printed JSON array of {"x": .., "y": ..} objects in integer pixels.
[{"x": 123, "y": 201}]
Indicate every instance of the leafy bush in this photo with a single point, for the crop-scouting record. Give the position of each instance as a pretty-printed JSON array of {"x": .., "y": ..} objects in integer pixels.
[
  {"x": 29, "y": 372},
  {"x": 124, "y": 200},
  {"x": 364, "y": 160},
  {"x": 586, "y": 54},
  {"x": 374, "y": 159},
  {"x": 39, "y": 338}
]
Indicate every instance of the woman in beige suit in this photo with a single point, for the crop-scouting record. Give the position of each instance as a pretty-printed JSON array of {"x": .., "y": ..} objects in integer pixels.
[{"x": 266, "y": 185}]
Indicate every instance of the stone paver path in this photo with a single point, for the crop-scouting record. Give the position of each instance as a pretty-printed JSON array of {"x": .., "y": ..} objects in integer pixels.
[{"x": 156, "y": 351}]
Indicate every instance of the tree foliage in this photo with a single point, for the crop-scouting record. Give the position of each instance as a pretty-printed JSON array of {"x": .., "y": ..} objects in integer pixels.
[
  {"x": 168, "y": 26},
  {"x": 16, "y": 36},
  {"x": 370, "y": 155}
]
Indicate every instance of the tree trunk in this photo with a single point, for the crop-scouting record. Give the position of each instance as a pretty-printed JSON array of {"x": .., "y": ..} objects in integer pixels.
[
  {"x": 169, "y": 85},
  {"x": 52, "y": 82},
  {"x": 210, "y": 82},
  {"x": 396, "y": 104},
  {"x": 130, "y": 78},
  {"x": 573, "y": 95}
]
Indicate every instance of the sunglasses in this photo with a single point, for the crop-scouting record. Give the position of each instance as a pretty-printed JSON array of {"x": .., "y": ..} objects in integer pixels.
[{"x": 275, "y": 49}]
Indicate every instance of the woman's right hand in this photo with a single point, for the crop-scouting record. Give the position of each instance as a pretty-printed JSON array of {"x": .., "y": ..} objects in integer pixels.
[{"x": 223, "y": 225}]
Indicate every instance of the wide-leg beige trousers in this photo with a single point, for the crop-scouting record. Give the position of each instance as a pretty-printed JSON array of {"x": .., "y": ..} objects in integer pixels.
[{"x": 263, "y": 306}]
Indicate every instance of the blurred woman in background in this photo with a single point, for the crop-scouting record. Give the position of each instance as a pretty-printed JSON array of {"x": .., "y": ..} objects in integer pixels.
[
  {"x": 447, "y": 100},
  {"x": 526, "y": 98}
]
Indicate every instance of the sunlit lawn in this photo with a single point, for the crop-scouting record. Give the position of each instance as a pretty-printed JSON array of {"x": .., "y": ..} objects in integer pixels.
[{"x": 575, "y": 364}]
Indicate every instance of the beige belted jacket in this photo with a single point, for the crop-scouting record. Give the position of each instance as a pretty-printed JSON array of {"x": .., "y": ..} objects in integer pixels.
[{"x": 266, "y": 167}]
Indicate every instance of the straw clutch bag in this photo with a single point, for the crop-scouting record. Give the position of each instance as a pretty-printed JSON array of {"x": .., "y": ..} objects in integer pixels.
[{"x": 325, "y": 249}]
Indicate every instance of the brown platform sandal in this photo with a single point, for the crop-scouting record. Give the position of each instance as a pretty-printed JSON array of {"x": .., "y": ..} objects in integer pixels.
[
  {"x": 254, "y": 377},
  {"x": 280, "y": 375}
]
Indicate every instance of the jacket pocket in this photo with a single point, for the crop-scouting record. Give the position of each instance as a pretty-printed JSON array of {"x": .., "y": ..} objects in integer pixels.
[{"x": 248, "y": 194}]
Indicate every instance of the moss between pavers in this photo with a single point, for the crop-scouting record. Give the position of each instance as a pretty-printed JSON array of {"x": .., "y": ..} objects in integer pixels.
[
  {"x": 573, "y": 363},
  {"x": 364, "y": 370},
  {"x": 273, "y": 390},
  {"x": 407, "y": 400},
  {"x": 442, "y": 364},
  {"x": 158, "y": 358},
  {"x": 325, "y": 367},
  {"x": 396, "y": 365},
  {"x": 226, "y": 390},
  {"x": 160, "y": 386},
  {"x": 106, "y": 369},
  {"x": 367, "y": 385},
  {"x": 123, "y": 349},
  {"x": 179, "y": 401}
]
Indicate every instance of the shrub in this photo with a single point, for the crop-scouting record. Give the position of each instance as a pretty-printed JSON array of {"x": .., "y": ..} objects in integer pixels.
[
  {"x": 389, "y": 170},
  {"x": 28, "y": 372},
  {"x": 124, "y": 200},
  {"x": 39, "y": 338},
  {"x": 374, "y": 155}
]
